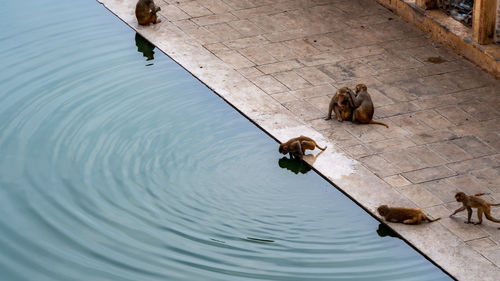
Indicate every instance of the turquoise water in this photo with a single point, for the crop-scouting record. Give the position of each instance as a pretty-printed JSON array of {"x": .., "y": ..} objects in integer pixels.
[{"x": 117, "y": 164}]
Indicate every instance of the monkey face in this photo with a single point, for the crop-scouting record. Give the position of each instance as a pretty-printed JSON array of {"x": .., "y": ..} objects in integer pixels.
[
  {"x": 345, "y": 103},
  {"x": 283, "y": 149},
  {"x": 382, "y": 210},
  {"x": 342, "y": 100},
  {"x": 460, "y": 196},
  {"x": 360, "y": 87}
]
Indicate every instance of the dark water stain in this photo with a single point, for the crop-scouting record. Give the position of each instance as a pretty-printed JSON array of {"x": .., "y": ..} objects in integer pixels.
[{"x": 436, "y": 59}]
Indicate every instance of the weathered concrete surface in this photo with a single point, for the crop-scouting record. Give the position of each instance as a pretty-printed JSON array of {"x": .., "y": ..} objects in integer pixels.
[
  {"x": 450, "y": 32},
  {"x": 279, "y": 62}
]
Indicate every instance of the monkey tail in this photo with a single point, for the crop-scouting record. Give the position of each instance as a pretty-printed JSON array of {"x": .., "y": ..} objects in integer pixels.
[
  {"x": 488, "y": 216},
  {"x": 379, "y": 123},
  {"x": 431, "y": 220},
  {"x": 321, "y": 147},
  {"x": 481, "y": 194},
  {"x": 497, "y": 204}
]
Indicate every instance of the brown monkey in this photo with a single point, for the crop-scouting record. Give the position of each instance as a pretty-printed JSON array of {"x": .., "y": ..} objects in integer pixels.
[
  {"x": 297, "y": 146},
  {"x": 341, "y": 104},
  {"x": 404, "y": 215},
  {"x": 145, "y": 12},
  {"x": 469, "y": 202},
  {"x": 363, "y": 105}
]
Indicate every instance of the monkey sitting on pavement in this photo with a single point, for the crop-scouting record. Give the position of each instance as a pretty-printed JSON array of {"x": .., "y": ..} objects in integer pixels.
[
  {"x": 363, "y": 105},
  {"x": 145, "y": 12},
  {"x": 341, "y": 104},
  {"x": 297, "y": 146},
  {"x": 469, "y": 202},
  {"x": 404, "y": 215}
]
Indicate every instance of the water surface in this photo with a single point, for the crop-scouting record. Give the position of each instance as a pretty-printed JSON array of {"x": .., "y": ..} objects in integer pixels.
[{"x": 117, "y": 164}]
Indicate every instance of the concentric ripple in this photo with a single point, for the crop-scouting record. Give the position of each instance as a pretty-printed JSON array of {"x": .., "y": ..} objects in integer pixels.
[{"x": 116, "y": 167}]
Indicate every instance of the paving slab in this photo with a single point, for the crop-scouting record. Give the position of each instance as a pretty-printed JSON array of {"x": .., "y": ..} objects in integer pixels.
[{"x": 280, "y": 62}]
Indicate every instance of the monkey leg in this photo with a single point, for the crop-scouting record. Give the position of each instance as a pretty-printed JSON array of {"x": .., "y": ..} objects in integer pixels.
[
  {"x": 360, "y": 116},
  {"x": 469, "y": 214},
  {"x": 488, "y": 216},
  {"x": 355, "y": 115},
  {"x": 155, "y": 19},
  {"x": 458, "y": 210},
  {"x": 479, "y": 216},
  {"x": 330, "y": 108},
  {"x": 414, "y": 220},
  {"x": 336, "y": 108}
]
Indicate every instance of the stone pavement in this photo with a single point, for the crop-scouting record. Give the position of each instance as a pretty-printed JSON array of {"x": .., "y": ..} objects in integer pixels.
[{"x": 280, "y": 62}]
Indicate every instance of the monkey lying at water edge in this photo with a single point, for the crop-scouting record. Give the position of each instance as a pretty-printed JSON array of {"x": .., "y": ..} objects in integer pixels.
[
  {"x": 404, "y": 215},
  {"x": 363, "y": 105},
  {"x": 469, "y": 202},
  {"x": 297, "y": 146},
  {"x": 145, "y": 12},
  {"x": 341, "y": 104}
]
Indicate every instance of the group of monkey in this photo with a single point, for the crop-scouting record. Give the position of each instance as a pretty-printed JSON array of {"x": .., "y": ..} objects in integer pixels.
[
  {"x": 416, "y": 216},
  {"x": 356, "y": 107},
  {"x": 347, "y": 105},
  {"x": 296, "y": 147}
]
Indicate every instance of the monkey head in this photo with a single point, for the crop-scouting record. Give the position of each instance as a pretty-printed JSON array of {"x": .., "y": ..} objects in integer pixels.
[
  {"x": 460, "y": 196},
  {"x": 342, "y": 99},
  {"x": 283, "y": 148},
  {"x": 361, "y": 87},
  {"x": 383, "y": 210}
]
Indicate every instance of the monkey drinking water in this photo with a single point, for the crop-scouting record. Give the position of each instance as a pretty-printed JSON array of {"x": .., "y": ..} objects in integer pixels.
[
  {"x": 469, "y": 202},
  {"x": 297, "y": 146},
  {"x": 404, "y": 215},
  {"x": 145, "y": 12},
  {"x": 341, "y": 104},
  {"x": 363, "y": 105}
]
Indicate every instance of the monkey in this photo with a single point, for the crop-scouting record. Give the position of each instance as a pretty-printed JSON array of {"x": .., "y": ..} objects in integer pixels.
[
  {"x": 469, "y": 202},
  {"x": 297, "y": 146},
  {"x": 404, "y": 215},
  {"x": 363, "y": 106},
  {"x": 341, "y": 104},
  {"x": 145, "y": 12}
]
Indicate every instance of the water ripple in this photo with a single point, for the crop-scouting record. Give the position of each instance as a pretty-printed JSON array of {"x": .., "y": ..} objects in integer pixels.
[{"x": 112, "y": 170}]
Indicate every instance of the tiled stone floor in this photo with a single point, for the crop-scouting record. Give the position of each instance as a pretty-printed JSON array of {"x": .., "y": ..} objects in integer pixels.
[{"x": 280, "y": 62}]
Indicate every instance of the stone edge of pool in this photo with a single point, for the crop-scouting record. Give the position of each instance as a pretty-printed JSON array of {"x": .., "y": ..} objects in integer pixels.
[{"x": 433, "y": 240}]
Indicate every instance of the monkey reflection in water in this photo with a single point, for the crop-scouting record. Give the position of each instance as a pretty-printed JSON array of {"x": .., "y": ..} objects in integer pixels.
[
  {"x": 144, "y": 47},
  {"x": 294, "y": 165},
  {"x": 383, "y": 231}
]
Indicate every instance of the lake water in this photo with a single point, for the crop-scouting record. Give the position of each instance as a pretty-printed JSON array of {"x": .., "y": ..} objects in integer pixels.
[{"x": 117, "y": 164}]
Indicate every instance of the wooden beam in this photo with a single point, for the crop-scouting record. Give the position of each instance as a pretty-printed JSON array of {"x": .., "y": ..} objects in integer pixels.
[{"x": 483, "y": 21}]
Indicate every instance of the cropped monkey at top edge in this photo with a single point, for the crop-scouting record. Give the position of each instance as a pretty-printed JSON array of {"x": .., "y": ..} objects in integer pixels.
[{"x": 145, "y": 12}]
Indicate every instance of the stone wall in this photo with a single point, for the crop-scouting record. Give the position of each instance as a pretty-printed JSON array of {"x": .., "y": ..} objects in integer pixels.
[{"x": 498, "y": 23}]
